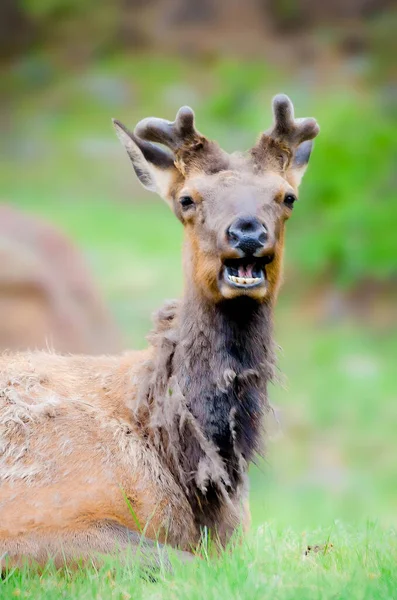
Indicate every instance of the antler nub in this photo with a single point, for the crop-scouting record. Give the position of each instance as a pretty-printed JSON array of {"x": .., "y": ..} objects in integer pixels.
[
  {"x": 184, "y": 121},
  {"x": 286, "y": 127},
  {"x": 173, "y": 134},
  {"x": 287, "y": 142}
]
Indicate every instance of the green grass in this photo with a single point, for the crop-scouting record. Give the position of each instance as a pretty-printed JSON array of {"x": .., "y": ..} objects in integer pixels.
[
  {"x": 331, "y": 463},
  {"x": 269, "y": 564}
]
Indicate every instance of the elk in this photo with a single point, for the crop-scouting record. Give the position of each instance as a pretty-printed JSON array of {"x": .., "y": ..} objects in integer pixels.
[{"x": 96, "y": 449}]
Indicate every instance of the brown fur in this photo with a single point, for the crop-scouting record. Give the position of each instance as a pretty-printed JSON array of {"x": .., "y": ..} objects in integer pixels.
[
  {"x": 68, "y": 459},
  {"x": 94, "y": 451}
]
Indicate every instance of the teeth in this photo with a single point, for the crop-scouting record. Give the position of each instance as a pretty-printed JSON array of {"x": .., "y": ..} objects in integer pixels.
[{"x": 244, "y": 280}]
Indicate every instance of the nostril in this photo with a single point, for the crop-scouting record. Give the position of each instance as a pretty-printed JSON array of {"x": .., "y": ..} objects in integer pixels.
[
  {"x": 263, "y": 237},
  {"x": 233, "y": 235}
]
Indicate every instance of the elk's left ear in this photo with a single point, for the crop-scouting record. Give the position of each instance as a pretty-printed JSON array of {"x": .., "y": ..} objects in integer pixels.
[
  {"x": 300, "y": 161},
  {"x": 153, "y": 166}
]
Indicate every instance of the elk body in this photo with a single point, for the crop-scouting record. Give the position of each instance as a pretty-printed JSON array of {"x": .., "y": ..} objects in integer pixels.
[{"x": 94, "y": 449}]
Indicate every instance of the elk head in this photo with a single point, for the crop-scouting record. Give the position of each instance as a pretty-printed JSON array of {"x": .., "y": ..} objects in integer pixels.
[{"x": 233, "y": 206}]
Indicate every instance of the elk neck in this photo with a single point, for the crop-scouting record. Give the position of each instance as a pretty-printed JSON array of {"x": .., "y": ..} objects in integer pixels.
[{"x": 223, "y": 362}]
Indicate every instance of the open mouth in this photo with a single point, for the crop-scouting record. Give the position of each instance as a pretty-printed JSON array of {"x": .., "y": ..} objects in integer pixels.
[{"x": 246, "y": 272}]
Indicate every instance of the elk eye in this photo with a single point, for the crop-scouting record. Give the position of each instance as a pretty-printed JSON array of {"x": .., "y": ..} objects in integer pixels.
[
  {"x": 186, "y": 202},
  {"x": 289, "y": 200}
]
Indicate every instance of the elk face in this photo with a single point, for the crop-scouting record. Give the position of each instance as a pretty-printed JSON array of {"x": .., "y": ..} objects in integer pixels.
[{"x": 233, "y": 207}]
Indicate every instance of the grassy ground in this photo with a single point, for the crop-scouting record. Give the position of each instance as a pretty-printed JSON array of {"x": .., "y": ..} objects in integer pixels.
[
  {"x": 329, "y": 475},
  {"x": 270, "y": 564}
]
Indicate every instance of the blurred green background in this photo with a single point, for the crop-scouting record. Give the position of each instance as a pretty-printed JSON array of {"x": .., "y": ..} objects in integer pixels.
[{"x": 69, "y": 66}]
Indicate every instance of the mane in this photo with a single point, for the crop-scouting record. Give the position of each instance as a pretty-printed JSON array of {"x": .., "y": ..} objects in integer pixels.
[
  {"x": 162, "y": 410},
  {"x": 164, "y": 416}
]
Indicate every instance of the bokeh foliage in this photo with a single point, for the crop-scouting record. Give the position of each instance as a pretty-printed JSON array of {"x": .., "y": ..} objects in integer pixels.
[{"x": 345, "y": 224}]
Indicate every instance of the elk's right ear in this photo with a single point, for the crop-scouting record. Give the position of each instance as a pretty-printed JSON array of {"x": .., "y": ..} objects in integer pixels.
[{"x": 154, "y": 166}]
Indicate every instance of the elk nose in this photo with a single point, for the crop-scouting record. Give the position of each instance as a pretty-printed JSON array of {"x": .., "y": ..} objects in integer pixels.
[{"x": 247, "y": 234}]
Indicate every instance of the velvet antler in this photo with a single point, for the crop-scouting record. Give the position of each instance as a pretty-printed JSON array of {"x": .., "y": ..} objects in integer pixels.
[
  {"x": 186, "y": 150},
  {"x": 288, "y": 129},
  {"x": 190, "y": 148},
  {"x": 289, "y": 141},
  {"x": 177, "y": 134}
]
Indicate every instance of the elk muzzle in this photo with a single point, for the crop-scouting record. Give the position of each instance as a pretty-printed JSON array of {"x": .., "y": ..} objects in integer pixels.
[{"x": 249, "y": 250}]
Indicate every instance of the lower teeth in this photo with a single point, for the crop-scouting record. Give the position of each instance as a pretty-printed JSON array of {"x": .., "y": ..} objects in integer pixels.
[{"x": 244, "y": 280}]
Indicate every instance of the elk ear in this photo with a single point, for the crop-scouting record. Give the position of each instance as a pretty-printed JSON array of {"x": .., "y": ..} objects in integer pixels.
[
  {"x": 300, "y": 161},
  {"x": 154, "y": 166}
]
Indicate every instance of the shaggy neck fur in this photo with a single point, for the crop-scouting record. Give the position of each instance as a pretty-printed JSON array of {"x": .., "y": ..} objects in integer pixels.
[
  {"x": 206, "y": 394},
  {"x": 222, "y": 365}
]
